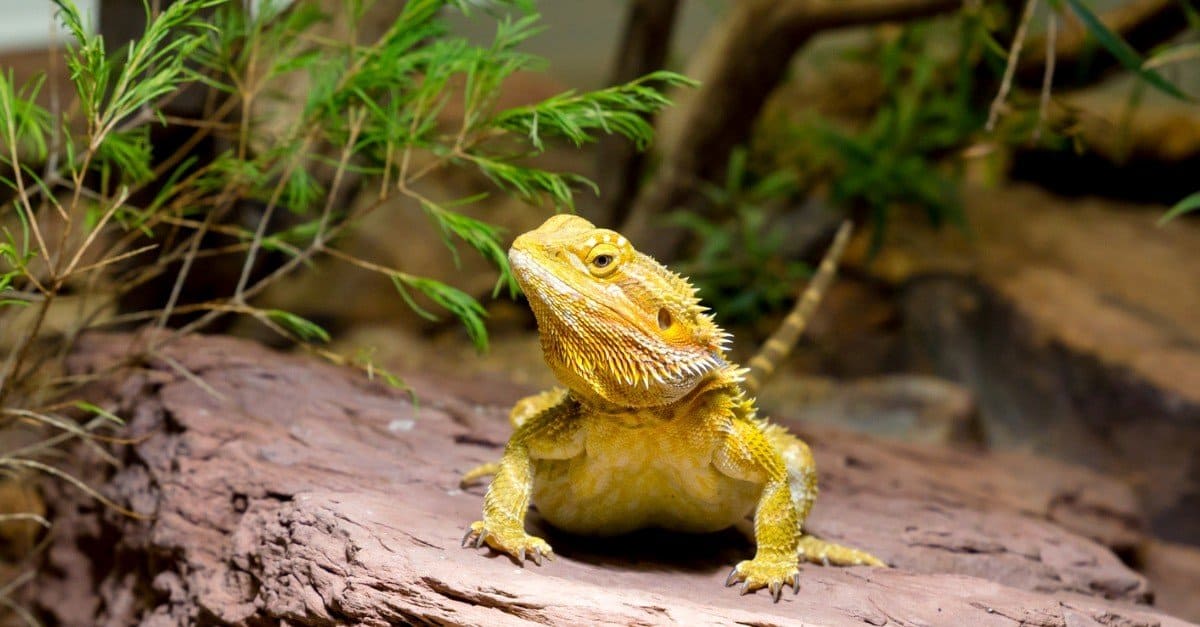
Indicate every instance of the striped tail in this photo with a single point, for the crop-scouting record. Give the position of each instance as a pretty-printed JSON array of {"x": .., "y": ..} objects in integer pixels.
[{"x": 784, "y": 338}]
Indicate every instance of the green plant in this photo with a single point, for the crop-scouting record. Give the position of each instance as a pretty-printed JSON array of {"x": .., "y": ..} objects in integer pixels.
[
  {"x": 73, "y": 239},
  {"x": 738, "y": 266},
  {"x": 898, "y": 158},
  {"x": 1190, "y": 203},
  {"x": 1146, "y": 70}
]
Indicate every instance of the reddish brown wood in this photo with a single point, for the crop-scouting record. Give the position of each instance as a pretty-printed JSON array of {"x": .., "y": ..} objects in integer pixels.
[{"x": 285, "y": 489}]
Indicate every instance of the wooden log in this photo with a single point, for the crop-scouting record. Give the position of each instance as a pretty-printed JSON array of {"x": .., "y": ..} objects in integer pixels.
[{"x": 280, "y": 489}]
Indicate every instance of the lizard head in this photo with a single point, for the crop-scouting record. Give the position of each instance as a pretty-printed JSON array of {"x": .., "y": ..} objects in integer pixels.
[{"x": 615, "y": 325}]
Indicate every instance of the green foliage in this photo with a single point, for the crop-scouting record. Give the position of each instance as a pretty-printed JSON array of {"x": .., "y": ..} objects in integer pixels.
[
  {"x": 23, "y": 124},
  {"x": 1119, "y": 48},
  {"x": 738, "y": 266},
  {"x": 1145, "y": 69},
  {"x": 578, "y": 117},
  {"x": 1187, "y": 205},
  {"x": 112, "y": 87},
  {"x": 381, "y": 102},
  {"x": 305, "y": 330},
  {"x": 91, "y": 213},
  {"x": 897, "y": 158}
]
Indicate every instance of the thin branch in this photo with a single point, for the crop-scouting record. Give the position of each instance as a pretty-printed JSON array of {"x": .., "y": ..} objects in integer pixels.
[
  {"x": 189, "y": 375},
  {"x": 51, "y": 470},
  {"x": 177, "y": 288},
  {"x": 1048, "y": 77},
  {"x": 95, "y": 231},
  {"x": 1010, "y": 70},
  {"x": 108, "y": 261},
  {"x": 9, "y": 376},
  {"x": 261, "y": 230}
]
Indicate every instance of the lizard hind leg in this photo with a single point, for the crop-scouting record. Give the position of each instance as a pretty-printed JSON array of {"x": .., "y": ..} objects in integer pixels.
[
  {"x": 802, "y": 479},
  {"x": 817, "y": 551}
]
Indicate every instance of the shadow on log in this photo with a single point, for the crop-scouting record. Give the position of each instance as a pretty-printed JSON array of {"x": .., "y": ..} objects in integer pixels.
[{"x": 280, "y": 489}]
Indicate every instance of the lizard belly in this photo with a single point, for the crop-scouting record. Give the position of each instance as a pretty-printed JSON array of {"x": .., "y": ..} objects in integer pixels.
[{"x": 640, "y": 480}]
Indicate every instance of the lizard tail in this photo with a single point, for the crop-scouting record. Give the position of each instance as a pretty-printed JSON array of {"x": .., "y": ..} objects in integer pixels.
[{"x": 784, "y": 338}]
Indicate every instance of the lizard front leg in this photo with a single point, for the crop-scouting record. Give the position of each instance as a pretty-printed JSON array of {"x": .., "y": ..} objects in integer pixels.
[
  {"x": 523, "y": 410},
  {"x": 802, "y": 477},
  {"x": 746, "y": 453},
  {"x": 552, "y": 434}
]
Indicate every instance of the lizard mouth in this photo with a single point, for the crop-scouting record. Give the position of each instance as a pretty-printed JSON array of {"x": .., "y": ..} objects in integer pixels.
[
  {"x": 535, "y": 279},
  {"x": 540, "y": 283}
]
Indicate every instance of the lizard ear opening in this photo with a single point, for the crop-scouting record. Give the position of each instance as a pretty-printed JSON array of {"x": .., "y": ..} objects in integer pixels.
[{"x": 664, "y": 319}]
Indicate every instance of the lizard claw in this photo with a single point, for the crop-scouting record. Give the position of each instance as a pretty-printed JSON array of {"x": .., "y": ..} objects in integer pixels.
[
  {"x": 765, "y": 573},
  {"x": 474, "y": 537},
  {"x": 515, "y": 543}
]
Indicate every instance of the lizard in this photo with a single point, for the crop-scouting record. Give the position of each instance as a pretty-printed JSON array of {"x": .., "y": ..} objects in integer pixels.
[{"x": 653, "y": 425}]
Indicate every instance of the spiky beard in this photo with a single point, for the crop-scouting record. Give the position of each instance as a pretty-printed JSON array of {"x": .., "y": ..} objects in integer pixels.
[{"x": 618, "y": 360}]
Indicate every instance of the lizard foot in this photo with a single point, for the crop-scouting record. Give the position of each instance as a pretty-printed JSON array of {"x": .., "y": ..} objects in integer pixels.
[
  {"x": 765, "y": 573},
  {"x": 819, "y": 551},
  {"x": 516, "y": 543}
]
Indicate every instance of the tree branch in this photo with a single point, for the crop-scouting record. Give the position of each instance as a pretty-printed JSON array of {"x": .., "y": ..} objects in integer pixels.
[
  {"x": 643, "y": 49},
  {"x": 745, "y": 57}
]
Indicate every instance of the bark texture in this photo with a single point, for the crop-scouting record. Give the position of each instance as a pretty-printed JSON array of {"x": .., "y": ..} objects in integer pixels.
[
  {"x": 645, "y": 42},
  {"x": 279, "y": 489}
]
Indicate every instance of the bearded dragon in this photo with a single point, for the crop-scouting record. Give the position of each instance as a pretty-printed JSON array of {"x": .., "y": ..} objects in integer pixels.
[{"x": 653, "y": 426}]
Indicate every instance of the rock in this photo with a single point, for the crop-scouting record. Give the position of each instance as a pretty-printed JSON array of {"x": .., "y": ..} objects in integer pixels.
[
  {"x": 913, "y": 408},
  {"x": 1175, "y": 570},
  {"x": 276, "y": 489},
  {"x": 1075, "y": 324}
]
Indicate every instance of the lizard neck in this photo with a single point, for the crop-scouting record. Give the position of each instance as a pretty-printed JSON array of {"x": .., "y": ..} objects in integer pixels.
[
  {"x": 607, "y": 364},
  {"x": 724, "y": 381}
]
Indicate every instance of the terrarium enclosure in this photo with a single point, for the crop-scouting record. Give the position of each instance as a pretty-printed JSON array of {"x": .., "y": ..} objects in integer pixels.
[{"x": 258, "y": 315}]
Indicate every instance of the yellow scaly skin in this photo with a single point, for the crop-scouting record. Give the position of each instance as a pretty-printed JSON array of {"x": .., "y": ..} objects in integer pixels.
[{"x": 653, "y": 428}]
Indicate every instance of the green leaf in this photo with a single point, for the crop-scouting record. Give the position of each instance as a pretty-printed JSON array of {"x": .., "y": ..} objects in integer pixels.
[
  {"x": 1191, "y": 203},
  {"x": 99, "y": 411},
  {"x": 1172, "y": 54},
  {"x": 23, "y": 123},
  {"x": 304, "y": 329},
  {"x": 1125, "y": 54},
  {"x": 454, "y": 300},
  {"x": 399, "y": 282},
  {"x": 619, "y": 110}
]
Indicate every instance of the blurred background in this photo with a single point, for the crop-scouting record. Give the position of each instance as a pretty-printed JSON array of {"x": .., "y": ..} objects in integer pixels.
[{"x": 1022, "y": 277}]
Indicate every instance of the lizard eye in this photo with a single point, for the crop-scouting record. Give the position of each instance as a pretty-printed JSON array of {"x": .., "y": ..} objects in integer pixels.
[{"x": 602, "y": 259}]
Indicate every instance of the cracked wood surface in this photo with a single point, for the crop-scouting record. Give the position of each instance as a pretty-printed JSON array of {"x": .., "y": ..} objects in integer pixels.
[{"x": 304, "y": 494}]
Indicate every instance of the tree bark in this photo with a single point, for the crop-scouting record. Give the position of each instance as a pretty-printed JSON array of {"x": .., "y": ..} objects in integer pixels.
[{"x": 643, "y": 49}]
